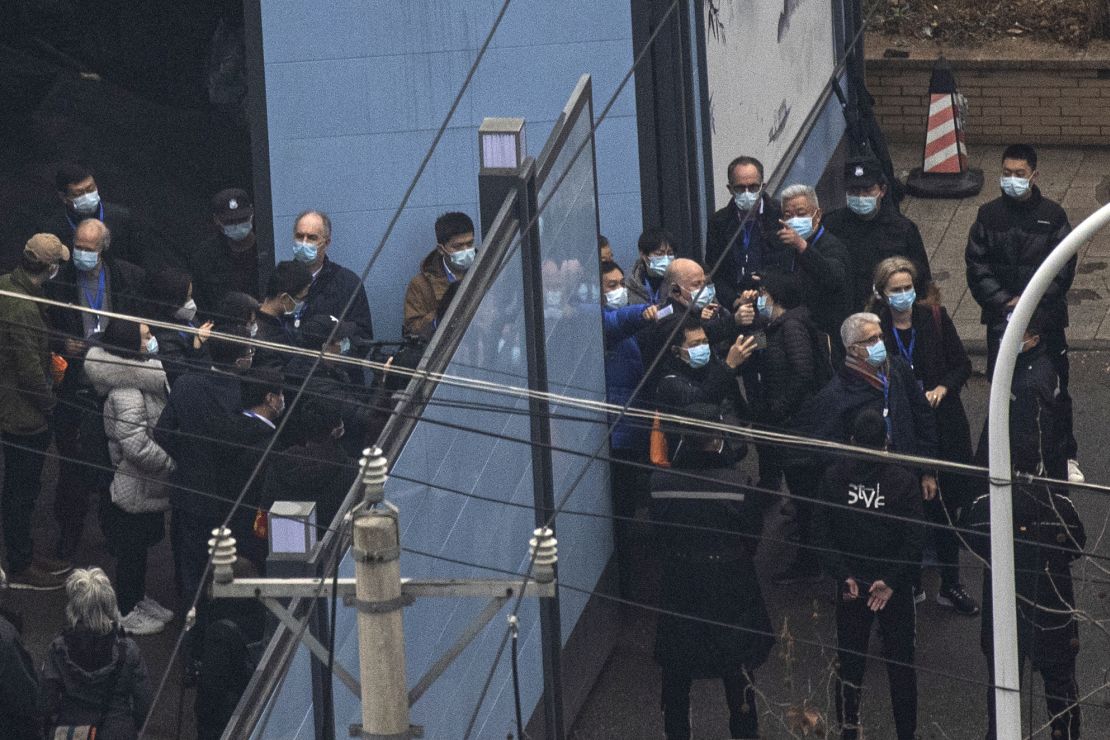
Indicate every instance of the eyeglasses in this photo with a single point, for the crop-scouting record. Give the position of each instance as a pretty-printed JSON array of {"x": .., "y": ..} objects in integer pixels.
[
  {"x": 746, "y": 188},
  {"x": 870, "y": 341}
]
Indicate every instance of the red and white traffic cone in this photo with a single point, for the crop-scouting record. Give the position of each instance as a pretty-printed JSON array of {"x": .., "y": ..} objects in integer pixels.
[{"x": 944, "y": 172}]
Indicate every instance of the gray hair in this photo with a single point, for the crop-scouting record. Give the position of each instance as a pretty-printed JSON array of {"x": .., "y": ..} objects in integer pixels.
[
  {"x": 105, "y": 238},
  {"x": 91, "y": 601},
  {"x": 323, "y": 217},
  {"x": 851, "y": 331},
  {"x": 790, "y": 192}
]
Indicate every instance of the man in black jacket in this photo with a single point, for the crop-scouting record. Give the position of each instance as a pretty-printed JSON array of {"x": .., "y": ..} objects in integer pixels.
[
  {"x": 95, "y": 278},
  {"x": 332, "y": 285},
  {"x": 747, "y": 245},
  {"x": 228, "y": 260},
  {"x": 873, "y": 230},
  {"x": 1011, "y": 237},
  {"x": 871, "y": 538},
  {"x": 285, "y": 292}
]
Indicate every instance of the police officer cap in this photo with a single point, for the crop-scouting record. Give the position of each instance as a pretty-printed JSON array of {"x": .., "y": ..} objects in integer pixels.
[
  {"x": 315, "y": 330},
  {"x": 232, "y": 204},
  {"x": 862, "y": 173}
]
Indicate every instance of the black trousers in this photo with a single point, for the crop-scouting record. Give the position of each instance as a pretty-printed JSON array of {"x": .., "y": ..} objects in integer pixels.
[
  {"x": 803, "y": 482},
  {"x": 743, "y": 721},
  {"x": 628, "y": 484},
  {"x": 897, "y": 626},
  {"x": 1056, "y": 346},
  {"x": 24, "y": 455},
  {"x": 77, "y": 479},
  {"x": 943, "y": 511},
  {"x": 1061, "y": 693}
]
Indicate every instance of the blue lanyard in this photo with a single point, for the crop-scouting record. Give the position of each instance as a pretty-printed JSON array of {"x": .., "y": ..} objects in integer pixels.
[
  {"x": 653, "y": 293},
  {"x": 450, "y": 277},
  {"x": 99, "y": 217},
  {"x": 95, "y": 303},
  {"x": 794, "y": 257},
  {"x": 902, "y": 348},
  {"x": 886, "y": 408}
]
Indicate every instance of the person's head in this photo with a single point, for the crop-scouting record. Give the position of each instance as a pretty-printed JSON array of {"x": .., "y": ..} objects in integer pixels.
[
  {"x": 864, "y": 185},
  {"x": 238, "y": 309},
  {"x": 42, "y": 256},
  {"x": 604, "y": 251},
  {"x": 685, "y": 282},
  {"x": 800, "y": 209},
  {"x": 91, "y": 601},
  {"x": 869, "y": 429},
  {"x": 656, "y": 247},
  {"x": 690, "y": 343},
  {"x": 455, "y": 240},
  {"x": 91, "y": 239},
  {"x": 319, "y": 420},
  {"x": 287, "y": 288},
  {"x": 233, "y": 215},
  {"x": 612, "y": 285},
  {"x": 778, "y": 292},
  {"x": 894, "y": 283},
  {"x": 328, "y": 333},
  {"x": 233, "y": 353},
  {"x": 311, "y": 238},
  {"x": 1019, "y": 171},
  {"x": 1032, "y": 335},
  {"x": 745, "y": 180},
  {"x": 128, "y": 339},
  {"x": 169, "y": 293},
  {"x": 262, "y": 390},
  {"x": 77, "y": 189},
  {"x": 862, "y": 335}
]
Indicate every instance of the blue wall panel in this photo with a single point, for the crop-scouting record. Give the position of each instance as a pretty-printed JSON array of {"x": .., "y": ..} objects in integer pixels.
[{"x": 356, "y": 89}]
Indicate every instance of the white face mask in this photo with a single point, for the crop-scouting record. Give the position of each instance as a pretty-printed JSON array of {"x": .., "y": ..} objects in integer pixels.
[{"x": 186, "y": 312}]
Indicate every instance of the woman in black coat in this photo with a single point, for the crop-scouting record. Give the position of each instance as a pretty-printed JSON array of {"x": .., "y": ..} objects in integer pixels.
[
  {"x": 924, "y": 335},
  {"x": 170, "y": 298}
]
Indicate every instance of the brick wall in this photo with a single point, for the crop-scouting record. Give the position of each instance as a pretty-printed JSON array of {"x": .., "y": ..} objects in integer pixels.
[{"x": 1042, "y": 101}]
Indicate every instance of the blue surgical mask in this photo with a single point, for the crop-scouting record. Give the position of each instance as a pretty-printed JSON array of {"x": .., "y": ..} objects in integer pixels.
[
  {"x": 345, "y": 346},
  {"x": 902, "y": 302},
  {"x": 237, "y": 232},
  {"x": 84, "y": 260},
  {"x": 704, "y": 296},
  {"x": 801, "y": 224},
  {"x": 463, "y": 259},
  {"x": 745, "y": 200},
  {"x": 876, "y": 354},
  {"x": 658, "y": 265},
  {"x": 762, "y": 307},
  {"x": 152, "y": 346},
  {"x": 86, "y": 203},
  {"x": 863, "y": 205},
  {"x": 1015, "y": 187},
  {"x": 698, "y": 356},
  {"x": 617, "y": 298},
  {"x": 304, "y": 252}
]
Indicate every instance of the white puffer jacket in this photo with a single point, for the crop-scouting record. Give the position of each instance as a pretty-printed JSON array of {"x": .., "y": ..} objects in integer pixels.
[{"x": 136, "y": 391}]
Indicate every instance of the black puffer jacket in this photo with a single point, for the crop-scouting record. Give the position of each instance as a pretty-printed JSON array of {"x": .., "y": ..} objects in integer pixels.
[
  {"x": 1007, "y": 243},
  {"x": 787, "y": 368}
]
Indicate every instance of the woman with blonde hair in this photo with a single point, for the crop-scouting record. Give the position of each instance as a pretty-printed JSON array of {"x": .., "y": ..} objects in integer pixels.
[
  {"x": 924, "y": 335},
  {"x": 94, "y": 674}
]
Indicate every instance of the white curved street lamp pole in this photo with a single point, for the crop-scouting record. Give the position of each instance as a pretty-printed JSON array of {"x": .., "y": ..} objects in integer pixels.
[{"x": 1007, "y": 671}]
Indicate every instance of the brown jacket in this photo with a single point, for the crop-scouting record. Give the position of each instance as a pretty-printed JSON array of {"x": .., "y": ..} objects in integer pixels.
[
  {"x": 26, "y": 398},
  {"x": 424, "y": 293}
]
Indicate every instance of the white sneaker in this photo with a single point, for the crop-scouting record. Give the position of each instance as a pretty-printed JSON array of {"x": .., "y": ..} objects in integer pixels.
[
  {"x": 154, "y": 609},
  {"x": 1075, "y": 475},
  {"x": 139, "y": 622}
]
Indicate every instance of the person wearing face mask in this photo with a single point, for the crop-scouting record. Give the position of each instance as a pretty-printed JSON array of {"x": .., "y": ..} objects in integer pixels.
[
  {"x": 873, "y": 229},
  {"x": 191, "y": 429},
  {"x": 745, "y": 228},
  {"x": 95, "y": 279},
  {"x": 624, "y": 369},
  {"x": 228, "y": 259},
  {"x": 870, "y": 378},
  {"x": 27, "y": 400},
  {"x": 446, "y": 264},
  {"x": 169, "y": 298},
  {"x": 332, "y": 284},
  {"x": 656, "y": 253},
  {"x": 125, "y": 369},
  {"x": 1011, "y": 237},
  {"x": 79, "y": 199},
  {"x": 816, "y": 257},
  {"x": 284, "y": 295},
  {"x": 924, "y": 335}
]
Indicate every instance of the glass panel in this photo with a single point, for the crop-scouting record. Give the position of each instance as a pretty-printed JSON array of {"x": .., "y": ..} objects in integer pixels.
[{"x": 288, "y": 714}]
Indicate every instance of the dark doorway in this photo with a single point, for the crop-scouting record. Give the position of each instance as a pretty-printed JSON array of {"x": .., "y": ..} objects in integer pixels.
[{"x": 150, "y": 96}]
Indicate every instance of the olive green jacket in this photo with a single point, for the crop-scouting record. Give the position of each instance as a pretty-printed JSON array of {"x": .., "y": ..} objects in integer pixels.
[{"x": 26, "y": 398}]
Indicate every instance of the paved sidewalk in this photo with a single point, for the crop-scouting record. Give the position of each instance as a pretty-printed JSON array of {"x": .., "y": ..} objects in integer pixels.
[{"x": 1078, "y": 179}]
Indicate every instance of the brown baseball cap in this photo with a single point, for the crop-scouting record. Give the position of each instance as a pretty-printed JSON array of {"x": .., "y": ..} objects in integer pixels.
[{"x": 46, "y": 248}]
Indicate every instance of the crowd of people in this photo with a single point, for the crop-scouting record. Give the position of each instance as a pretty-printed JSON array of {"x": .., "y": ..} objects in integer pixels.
[{"x": 825, "y": 326}]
